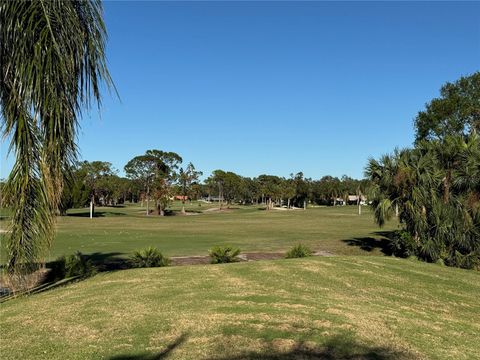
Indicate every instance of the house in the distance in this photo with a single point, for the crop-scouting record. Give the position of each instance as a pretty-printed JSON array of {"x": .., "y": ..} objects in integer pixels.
[
  {"x": 180, "y": 197},
  {"x": 352, "y": 200}
]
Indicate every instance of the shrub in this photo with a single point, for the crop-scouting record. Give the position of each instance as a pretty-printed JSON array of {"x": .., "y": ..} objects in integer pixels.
[
  {"x": 79, "y": 265},
  {"x": 149, "y": 257},
  {"x": 223, "y": 254},
  {"x": 468, "y": 261},
  {"x": 299, "y": 251},
  {"x": 402, "y": 244},
  {"x": 72, "y": 266}
]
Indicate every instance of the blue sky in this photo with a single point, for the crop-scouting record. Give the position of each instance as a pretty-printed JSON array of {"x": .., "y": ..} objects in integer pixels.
[{"x": 274, "y": 88}]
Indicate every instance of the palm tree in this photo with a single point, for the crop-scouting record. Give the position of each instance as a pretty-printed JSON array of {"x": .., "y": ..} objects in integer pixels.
[
  {"x": 52, "y": 61},
  {"x": 436, "y": 186},
  {"x": 186, "y": 178}
]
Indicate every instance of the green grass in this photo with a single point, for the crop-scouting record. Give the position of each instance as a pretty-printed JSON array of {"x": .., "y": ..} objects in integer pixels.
[
  {"x": 125, "y": 229},
  {"x": 325, "y": 307}
]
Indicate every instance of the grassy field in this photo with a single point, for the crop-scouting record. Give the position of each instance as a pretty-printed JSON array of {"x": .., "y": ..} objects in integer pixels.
[
  {"x": 353, "y": 307},
  {"x": 119, "y": 231}
]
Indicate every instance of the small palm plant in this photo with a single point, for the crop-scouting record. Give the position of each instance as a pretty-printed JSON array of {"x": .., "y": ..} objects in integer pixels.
[
  {"x": 75, "y": 265},
  {"x": 223, "y": 254},
  {"x": 299, "y": 251},
  {"x": 149, "y": 257}
]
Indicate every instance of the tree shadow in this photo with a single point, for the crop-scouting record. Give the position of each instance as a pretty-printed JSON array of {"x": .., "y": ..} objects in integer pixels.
[
  {"x": 110, "y": 261},
  {"x": 370, "y": 243},
  {"x": 336, "y": 348},
  {"x": 97, "y": 214},
  {"x": 149, "y": 356}
]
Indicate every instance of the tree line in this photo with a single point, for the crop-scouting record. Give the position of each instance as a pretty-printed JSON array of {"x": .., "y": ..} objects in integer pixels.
[{"x": 157, "y": 177}]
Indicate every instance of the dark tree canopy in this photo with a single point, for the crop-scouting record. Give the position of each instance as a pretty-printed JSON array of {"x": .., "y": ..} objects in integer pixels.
[{"x": 455, "y": 112}]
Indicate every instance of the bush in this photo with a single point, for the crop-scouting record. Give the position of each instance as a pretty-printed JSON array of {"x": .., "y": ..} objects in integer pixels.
[
  {"x": 299, "y": 251},
  {"x": 468, "y": 261},
  {"x": 75, "y": 265},
  {"x": 149, "y": 257},
  {"x": 403, "y": 244},
  {"x": 222, "y": 255}
]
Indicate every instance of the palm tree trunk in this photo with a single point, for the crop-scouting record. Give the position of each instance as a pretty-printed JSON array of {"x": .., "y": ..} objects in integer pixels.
[
  {"x": 148, "y": 198},
  {"x": 446, "y": 187},
  {"x": 160, "y": 210},
  {"x": 92, "y": 206}
]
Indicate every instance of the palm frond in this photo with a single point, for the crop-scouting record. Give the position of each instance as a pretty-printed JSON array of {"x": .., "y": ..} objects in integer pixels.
[{"x": 53, "y": 63}]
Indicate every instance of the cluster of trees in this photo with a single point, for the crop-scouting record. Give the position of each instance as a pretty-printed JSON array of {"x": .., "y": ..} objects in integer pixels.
[
  {"x": 153, "y": 177},
  {"x": 157, "y": 176},
  {"x": 295, "y": 191},
  {"x": 435, "y": 186}
]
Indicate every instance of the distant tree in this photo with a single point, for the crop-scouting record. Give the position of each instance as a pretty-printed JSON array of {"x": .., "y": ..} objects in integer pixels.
[
  {"x": 155, "y": 171},
  {"x": 75, "y": 192},
  {"x": 142, "y": 169},
  {"x": 334, "y": 189},
  {"x": 289, "y": 190},
  {"x": 271, "y": 189},
  {"x": 362, "y": 189},
  {"x": 302, "y": 189},
  {"x": 196, "y": 190},
  {"x": 95, "y": 174},
  {"x": 114, "y": 189},
  {"x": 229, "y": 185},
  {"x": 252, "y": 191},
  {"x": 186, "y": 177}
]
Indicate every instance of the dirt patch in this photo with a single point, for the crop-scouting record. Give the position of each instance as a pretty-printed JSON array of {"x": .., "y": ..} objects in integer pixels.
[
  {"x": 322, "y": 253},
  {"x": 190, "y": 260},
  {"x": 249, "y": 256},
  {"x": 219, "y": 210},
  {"x": 253, "y": 256},
  {"x": 287, "y": 209}
]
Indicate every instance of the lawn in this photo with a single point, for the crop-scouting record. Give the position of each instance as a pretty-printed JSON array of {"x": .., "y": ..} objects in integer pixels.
[
  {"x": 342, "y": 307},
  {"x": 119, "y": 231}
]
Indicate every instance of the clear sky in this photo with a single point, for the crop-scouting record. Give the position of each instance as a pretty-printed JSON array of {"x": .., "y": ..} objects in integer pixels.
[{"x": 274, "y": 88}]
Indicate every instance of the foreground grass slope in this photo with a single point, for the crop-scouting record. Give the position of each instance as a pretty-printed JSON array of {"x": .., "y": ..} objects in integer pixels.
[
  {"x": 123, "y": 230},
  {"x": 335, "y": 307}
]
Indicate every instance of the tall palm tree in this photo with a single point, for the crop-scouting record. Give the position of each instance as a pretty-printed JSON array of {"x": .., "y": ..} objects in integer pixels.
[{"x": 52, "y": 65}]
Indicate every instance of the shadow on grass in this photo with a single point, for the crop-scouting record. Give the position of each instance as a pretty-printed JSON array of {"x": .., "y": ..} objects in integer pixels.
[
  {"x": 97, "y": 214},
  {"x": 369, "y": 243},
  {"x": 155, "y": 356},
  {"x": 337, "y": 347},
  {"x": 109, "y": 261}
]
